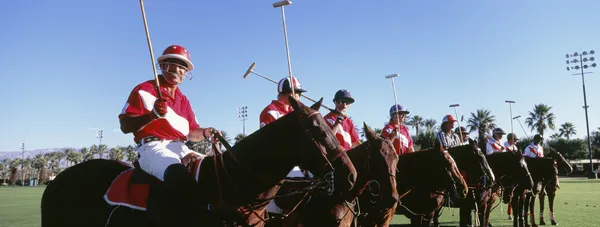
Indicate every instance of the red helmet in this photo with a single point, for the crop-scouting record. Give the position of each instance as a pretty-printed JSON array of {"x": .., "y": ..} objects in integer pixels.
[{"x": 177, "y": 52}]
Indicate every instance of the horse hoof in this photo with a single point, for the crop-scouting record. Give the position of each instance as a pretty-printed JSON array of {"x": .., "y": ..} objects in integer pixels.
[
  {"x": 542, "y": 222},
  {"x": 534, "y": 225},
  {"x": 553, "y": 222},
  {"x": 509, "y": 217}
]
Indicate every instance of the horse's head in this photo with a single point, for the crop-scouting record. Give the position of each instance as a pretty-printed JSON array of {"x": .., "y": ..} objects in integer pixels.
[
  {"x": 471, "y": 159},
  {"x": 431, "y": 170},
  {"x": 513, "y": 168},
  {"x": 380, "y": 166},
  {"x": 563, "y": 164},
  {"x": 327, "y": 149}
]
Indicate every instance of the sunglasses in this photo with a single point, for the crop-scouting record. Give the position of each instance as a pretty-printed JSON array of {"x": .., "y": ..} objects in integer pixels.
[{"x": 344, "y": 101}]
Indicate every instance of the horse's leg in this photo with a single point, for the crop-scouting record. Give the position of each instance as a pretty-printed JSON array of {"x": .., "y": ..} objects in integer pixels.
[
  {"x": 531, "y": 210},
  {"x": 526, "y": 205},
  {"x": 542, "y": 198},
  {"x": 551, "y": 196},
  {"x": 514, "y": 202},
  {"x": 488, "y": 210},
  {"x": 435, "y": 218},
  {"x": 522, "y": 209}
]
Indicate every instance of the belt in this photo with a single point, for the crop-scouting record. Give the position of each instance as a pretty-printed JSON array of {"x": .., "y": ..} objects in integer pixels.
[{"x": 149, "y": 139}]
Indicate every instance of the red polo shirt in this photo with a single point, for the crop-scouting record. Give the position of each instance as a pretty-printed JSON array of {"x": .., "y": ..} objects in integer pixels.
[{"x": 178, "y": 122}]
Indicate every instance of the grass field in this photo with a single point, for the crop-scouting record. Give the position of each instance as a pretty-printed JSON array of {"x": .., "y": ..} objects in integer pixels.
[{"x": 577, "y": 204}]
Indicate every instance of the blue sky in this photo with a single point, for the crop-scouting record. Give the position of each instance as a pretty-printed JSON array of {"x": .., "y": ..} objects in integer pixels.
[{"x": 68, "y": 66}]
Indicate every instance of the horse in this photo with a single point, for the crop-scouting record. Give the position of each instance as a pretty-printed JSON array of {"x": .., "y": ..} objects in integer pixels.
[
  {"x": 544, "y": 172},
  {"x": 421, "y": 174},
  {"x": 375, "y": 161},
  {"x": 479, "y": 176},
  {"x": 231, "y": 185},
  {"x": 511, "y": 172}
]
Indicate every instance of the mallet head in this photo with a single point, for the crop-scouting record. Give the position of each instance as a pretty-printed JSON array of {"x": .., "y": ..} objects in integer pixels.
[
  {"x": 392, "y": 76},
  {"x": 282, "y": 3},
  {"x": 454, "y": 105},
  {"x": 249, "y": 70}
]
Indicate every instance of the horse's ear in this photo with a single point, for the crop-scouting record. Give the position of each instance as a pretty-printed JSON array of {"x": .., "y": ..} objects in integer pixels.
[
  {"x": 369, "y": 133},
  {"x": 473, "y": 143},
  {"x": 295, "y": 103},
  {"x": 317, "y": 105}
]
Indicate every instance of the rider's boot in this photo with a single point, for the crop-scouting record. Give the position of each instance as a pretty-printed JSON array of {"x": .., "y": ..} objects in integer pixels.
[{"x": 181, "y": 202}]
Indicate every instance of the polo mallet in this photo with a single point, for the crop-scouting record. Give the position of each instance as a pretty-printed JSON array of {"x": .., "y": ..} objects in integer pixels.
[
  {"x": 150, "y": 47},
  {"x": 456, "y": 113},
  {"x": 251, "y": 70},
  {"x": 517, "y": 117},
  {"x": 287, "y": 48},
  {"x": 392, "y": 76}
]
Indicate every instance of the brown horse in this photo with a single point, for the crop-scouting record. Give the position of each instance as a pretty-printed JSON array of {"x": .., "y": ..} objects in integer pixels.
[
  {"x": 479, "y": 176},
  {"x": 423, "y": 175},
  {"x": 511, "y": 172},
  {"x": 544, "y": 172},
  {"x": 375, "y": 161},
  {"x": 231, "y": 185}
]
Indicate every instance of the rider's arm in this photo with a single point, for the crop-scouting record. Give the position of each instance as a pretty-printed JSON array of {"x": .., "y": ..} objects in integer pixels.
[
  {"x": 135, "y": 114},
  {"x": 200, "y": 134},
  {"x": 388, "y": 133},
  {"x": 411, "y": 144},
  {"x": 133, "y": 124},
  {"x": 354, "y": 136}
]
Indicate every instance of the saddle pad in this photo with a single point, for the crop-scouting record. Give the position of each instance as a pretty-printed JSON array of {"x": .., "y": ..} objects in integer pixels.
[{"x": 121, "y": 192}]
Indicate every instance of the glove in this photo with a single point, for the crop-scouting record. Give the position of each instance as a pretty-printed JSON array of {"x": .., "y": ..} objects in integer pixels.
[
  {"x": 339, "y": 119},
  {"x": 160, "y": 107}
]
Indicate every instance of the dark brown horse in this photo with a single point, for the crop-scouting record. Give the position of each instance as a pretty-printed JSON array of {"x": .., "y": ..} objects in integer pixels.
[
  {"x": 511, "y": 172},
  {"x": 423, "y": 175},
  {"x": 478, "y": 175},
  {"x": 544, "y": 172},
  {"x": 375, "y": 161},
  {"x": 253, "y": 166}
]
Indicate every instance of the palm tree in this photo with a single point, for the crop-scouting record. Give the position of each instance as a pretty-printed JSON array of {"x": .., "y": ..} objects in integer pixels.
[
  {"x": 131, "y": 153},
  {"x": 116, "y": 153},
  {"x": 540, "y": 118},
  {"x": 377, "y": 131},
  {"x": 555, "y": 136},
  {"x": 429, "y": 124},
  {"x": 239, "y": 137},
  {"x": 87, "y": 153},
  {"x": 567, "y": 130},
  {"x": 416, "y": 122},
  {"x": 68, "y": 153},
  {"x": 102, "y": 149},
  {"x": 39, "y": 163},
  {"x": 481, "y": 121}
]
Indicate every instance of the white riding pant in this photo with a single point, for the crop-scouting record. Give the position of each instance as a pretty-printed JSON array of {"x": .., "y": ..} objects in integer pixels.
[{"x": 156, "y": 156}]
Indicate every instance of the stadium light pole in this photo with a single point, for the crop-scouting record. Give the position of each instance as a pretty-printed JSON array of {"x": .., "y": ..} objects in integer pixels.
[
  {"x": 23, "y": 159},
  {"x": 510, "y": 102},
  {"x": 578, "y": 61},
  {"x": 243, "y": 115},
  {"x": 517, "y": 117}
]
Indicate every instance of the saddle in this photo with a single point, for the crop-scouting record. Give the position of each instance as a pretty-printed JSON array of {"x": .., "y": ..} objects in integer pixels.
[{"x": 134, "y": 187}]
